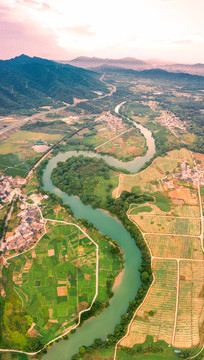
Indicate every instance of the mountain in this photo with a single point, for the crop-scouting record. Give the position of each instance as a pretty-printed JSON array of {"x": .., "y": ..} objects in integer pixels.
[
  {"x": 136, "y": 64},
  {"x": 27, "y": 82},
  {"x": 194, "y": 69},
  {"x": 186, "y": 80},
  {"x": 92, "y": 62}
]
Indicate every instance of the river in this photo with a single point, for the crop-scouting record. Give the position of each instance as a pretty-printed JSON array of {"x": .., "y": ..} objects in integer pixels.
[{"x": 104, "y": 324}]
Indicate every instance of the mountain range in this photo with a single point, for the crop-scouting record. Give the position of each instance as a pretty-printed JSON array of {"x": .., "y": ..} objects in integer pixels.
[
  {"x": 136, "y": 64},
  {"x": 30, "y": 82}
]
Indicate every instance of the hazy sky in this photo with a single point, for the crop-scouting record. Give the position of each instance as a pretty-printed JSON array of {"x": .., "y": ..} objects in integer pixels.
[{"x": 63, "y": 29}]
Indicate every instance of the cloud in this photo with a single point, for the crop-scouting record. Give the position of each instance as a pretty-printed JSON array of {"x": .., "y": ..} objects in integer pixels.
[
  {"x": 184, "y": 41},
  {"x": 17, "y": 38},
  {"x": 80, "y": 30},
  {"x": 167, "y": 1}
]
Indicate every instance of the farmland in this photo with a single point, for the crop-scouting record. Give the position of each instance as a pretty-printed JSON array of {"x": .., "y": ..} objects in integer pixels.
[
  {"x": 17, "y": 154},
  {"x": 57, "y": 279},
  {"x": 126, "y": 146},
  {"x": 149, "y": 180},
  {"x": 190, "y": 308},
  {"x": 174, "y": 246},
  {"x": 167, "y": 224},
  {"x": 171, "y": 226},
  {"x": 47, "y": 286},
  {"x": 156, "y": 316},
  {"x": 54, "y": 282}
]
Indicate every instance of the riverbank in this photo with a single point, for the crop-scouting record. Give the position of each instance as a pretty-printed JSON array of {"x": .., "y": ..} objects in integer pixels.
[
  {"x": 117, "y": 281},
  {"x": 129, "y": 282}
]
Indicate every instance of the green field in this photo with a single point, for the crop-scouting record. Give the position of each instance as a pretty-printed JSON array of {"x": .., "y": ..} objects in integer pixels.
[
  {"x": 16, "y": 153},
  {"x": 149, "y": 350},
  {"x": 53, "y": 287},
  {"x": 48, "y": 286},
  {"x": 167, "y": 225},
  {"x": 127, "y": 146},
  {"x": 137, "y": 109}
]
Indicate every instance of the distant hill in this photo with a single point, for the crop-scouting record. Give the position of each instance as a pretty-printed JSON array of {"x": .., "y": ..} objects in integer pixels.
[
  {"x": 136, "y": 64},
  {"x": 181, "y": 79},
  {"x": 91, "y": 62},
  {"x": 27, "y": 82}
]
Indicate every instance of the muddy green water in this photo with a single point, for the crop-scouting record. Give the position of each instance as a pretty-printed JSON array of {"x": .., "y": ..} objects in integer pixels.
[{"x": 101, "y": 326}]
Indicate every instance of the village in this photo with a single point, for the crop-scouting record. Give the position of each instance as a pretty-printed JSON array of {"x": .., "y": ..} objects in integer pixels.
[
  {"x": 8, "y": 188},
  {"x": 191, "y": 176},
  {"x": 170, "y": 120},
  {"x": 30, "y": 223},
  {"x": 114, "y": 123}
]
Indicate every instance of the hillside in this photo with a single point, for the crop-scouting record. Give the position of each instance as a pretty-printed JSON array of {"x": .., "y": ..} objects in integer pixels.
[
  {"x": 181, "y": 79},
  {"x": 92, "y": 62},
  {"x": 27, "y": 82},
  {"x": 136, "y": 64}
]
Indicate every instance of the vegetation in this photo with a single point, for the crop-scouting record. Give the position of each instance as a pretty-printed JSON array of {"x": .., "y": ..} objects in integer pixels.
[
  {"x": 76, "y": 176},
  {"x": 33, "y": 82},
  {"x": 15, "y": 320},
  {"x": 49, "y": 127},
  {"x": 44, "y": 280},
  {"x": 117, "y": 207},
  {"x": 17, "y": 156}
]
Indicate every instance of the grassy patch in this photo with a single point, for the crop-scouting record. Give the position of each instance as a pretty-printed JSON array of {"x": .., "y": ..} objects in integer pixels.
[
  {"x": 16, "y": 153},
  {"x": 140, "y": 209},
  {"x": 162, "y": 202}
]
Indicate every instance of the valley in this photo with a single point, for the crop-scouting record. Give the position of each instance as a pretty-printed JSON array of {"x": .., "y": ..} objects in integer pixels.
[{"x": 96, "y": 150}]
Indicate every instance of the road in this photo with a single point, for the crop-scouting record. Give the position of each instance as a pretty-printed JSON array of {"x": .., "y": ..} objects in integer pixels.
[{"x": 16, "y": 124}]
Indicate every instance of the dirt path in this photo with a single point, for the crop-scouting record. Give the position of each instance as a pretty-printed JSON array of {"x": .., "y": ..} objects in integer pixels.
[
  {"x": 106, "y": 142},
  {"x": 177, "y": 302}
]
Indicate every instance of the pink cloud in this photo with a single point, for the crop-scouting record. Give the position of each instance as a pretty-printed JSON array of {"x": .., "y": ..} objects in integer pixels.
[
  {"x": 17, "y": 38},
  {"x": 83, "y": 30}
]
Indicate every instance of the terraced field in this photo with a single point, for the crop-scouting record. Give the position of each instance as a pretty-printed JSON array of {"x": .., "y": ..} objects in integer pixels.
[
  {"x": 167, "y": 224},
  {"x": 156, "y": 316},
  {"x": 190, "y": 304},
  {"x": 171, "y": 225},
  {"x": 172, "y": 246}
]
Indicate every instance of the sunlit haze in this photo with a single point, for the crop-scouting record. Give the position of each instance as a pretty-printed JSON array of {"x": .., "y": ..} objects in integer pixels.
[{"x": 171, "y": 30}]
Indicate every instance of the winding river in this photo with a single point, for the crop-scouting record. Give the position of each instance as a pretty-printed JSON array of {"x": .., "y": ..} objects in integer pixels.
[{"x": 99, "y": 327}]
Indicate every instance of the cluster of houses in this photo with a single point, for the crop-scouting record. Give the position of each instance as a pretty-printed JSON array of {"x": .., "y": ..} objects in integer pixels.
[
  {"x": 30, "y": 222},
  {"x": 114, "y": 123},
  {"x": 170, "y": 120},
  {"x": 192, "y": 175},
  {"x": 29, "y": 229},
  {"x": 152, "y": 104},
  {"x": 8, "y": 188},
  {"x": 187, "y": 174}
]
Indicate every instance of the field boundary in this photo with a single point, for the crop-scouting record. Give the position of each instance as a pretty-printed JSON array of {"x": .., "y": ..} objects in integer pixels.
[
  {"x": 96, "y": 286},
  {"x": 164, "y": 258}
]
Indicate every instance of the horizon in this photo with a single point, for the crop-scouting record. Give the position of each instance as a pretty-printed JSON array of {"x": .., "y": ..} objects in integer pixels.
[
  {"x": 170, "y": 30},
  {"x": 148, "y": 61}
]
